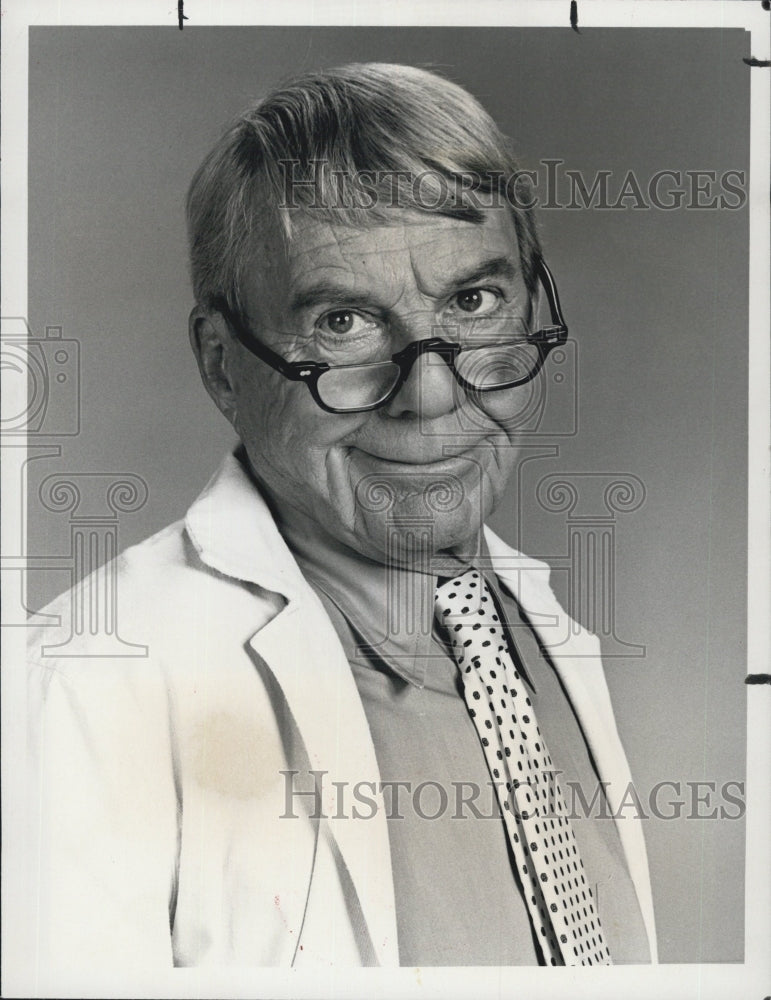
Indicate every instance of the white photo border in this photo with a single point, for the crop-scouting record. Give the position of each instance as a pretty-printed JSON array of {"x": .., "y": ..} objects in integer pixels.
[{"x": 752, "y": 978}]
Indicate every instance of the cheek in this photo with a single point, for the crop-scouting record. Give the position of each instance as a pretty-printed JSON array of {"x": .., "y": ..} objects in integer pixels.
[
  {"x": 295, "y": 447},
  {"x": 265, "y": 420},
  {"x": 514, "y": 410}
]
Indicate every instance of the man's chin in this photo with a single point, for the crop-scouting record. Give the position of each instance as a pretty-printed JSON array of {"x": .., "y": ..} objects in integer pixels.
[
  {"x": 406, "y": 512},
  {"x": 411, "y": 528}
]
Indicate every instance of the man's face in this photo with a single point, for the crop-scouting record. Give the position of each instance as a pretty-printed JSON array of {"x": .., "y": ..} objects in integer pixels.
[{"x": 431, "y": 456}]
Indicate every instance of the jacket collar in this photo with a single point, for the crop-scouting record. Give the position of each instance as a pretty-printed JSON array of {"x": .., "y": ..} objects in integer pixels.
[{"x": 233, "y": 532}]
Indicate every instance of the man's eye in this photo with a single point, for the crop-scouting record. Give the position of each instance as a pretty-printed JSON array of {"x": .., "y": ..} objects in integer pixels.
[
  {"x": 345, "y": 321},
  {"x": 479, "y": 301}
]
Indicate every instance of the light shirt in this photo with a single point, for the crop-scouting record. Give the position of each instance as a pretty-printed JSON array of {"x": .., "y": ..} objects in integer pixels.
[{"x": 458, "y": 899}]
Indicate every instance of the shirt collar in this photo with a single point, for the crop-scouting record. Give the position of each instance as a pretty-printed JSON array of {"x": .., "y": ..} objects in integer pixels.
[{"x": 390, "y": 609}]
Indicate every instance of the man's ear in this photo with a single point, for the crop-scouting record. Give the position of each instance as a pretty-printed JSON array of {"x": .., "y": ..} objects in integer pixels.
[{"x": 213, "y": 347}]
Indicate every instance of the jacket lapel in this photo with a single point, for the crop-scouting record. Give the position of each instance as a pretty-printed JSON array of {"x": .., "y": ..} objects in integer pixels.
[
  {"x": 576, "y": 657},
  {"x": 233, "y": 531},
  {"x": 303, "y": 652}
]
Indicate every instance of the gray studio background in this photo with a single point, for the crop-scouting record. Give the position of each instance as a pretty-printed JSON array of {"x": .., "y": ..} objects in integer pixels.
[{"x": 657, "y": 302}]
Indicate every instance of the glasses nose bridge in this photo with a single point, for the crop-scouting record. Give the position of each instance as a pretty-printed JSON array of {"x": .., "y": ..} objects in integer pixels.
[
  {"x": 418, "y": 321},
  {"x": 407, "y": 358}
]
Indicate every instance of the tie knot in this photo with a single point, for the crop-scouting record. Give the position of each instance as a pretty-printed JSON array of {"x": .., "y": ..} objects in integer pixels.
[{"x": 465, "y": 599}]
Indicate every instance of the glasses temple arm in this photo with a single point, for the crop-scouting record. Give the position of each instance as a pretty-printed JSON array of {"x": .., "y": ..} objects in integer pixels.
[
  {"x": 551, "y": 293},
  {"x": 294, "y": 370}
]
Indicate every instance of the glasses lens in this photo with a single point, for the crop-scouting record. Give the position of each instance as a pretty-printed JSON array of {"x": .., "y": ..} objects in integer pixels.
[
  {"x": 498, "y": 366},
  {"x": 356, "y": 387}
]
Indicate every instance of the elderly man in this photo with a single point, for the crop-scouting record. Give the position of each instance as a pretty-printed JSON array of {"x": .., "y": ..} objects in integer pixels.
[{"x": 360, "y": 713}]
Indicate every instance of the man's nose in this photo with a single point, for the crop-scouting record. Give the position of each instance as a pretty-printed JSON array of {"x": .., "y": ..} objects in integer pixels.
[{"x": 429, "y": 391}]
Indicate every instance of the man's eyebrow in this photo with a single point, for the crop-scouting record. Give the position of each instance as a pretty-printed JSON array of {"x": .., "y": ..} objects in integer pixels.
[
  {"x": 328, "y": 291},
  {"x": 494, "y": 267}
]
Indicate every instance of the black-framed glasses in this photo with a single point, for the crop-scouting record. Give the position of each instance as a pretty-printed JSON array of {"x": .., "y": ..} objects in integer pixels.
[{"x": 356, "y": 388}]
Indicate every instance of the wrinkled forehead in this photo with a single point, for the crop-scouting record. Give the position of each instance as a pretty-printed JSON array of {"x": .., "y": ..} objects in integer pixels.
[{"x": 430, "y": 246}]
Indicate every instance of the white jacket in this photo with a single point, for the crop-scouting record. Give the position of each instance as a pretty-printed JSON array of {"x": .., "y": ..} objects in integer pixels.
[{"x": 155, "y": 786}]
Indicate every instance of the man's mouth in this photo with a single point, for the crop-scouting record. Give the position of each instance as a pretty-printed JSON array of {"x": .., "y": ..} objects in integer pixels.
[{"x": 430, "y": 457}]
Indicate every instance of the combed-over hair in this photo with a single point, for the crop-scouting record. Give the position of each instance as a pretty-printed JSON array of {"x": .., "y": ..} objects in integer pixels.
[{"x": 348, "y": 145}]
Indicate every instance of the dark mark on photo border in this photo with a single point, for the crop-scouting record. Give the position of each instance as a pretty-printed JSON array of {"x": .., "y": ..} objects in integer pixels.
[{"x": 574, "y": 16}]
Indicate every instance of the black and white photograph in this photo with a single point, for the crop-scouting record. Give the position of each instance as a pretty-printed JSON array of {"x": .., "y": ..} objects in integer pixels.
[{"x": 385, "y": 434}]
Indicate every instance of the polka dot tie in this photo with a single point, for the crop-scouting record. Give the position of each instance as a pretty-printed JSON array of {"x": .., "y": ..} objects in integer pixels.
[{"x": 542, "y": 840}]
